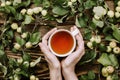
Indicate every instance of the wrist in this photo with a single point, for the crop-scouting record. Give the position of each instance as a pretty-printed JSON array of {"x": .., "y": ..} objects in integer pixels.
[
  {"x": 55, "y": 74},
  {"x": 54, "y": 66},
  {"x": 67, "y": 69},
  {"x": 69, "y": 74}
]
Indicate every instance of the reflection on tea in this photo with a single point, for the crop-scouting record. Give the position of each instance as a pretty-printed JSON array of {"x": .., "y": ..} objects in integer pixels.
[{"x": 62, "y": 42}]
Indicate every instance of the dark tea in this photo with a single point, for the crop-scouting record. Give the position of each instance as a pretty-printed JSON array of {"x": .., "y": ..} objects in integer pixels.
[{"x": 62, "y": 42}]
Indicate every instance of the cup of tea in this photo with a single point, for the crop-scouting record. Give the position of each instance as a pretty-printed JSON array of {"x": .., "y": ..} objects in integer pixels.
[{"x": 62, "y": 42}]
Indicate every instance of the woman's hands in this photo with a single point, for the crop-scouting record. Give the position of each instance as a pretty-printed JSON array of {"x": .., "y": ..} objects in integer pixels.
[
  {"x": 54, "y": 64},
  {"x": 68, "y": 64}
]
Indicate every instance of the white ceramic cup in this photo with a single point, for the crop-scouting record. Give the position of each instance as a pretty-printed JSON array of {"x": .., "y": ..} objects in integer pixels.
[{"x": 73, "y": 33}]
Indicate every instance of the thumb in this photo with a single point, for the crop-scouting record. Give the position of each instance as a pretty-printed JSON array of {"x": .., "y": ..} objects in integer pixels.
[
  {"x": 40, "y": 45},
  {"x": 43, "y": 48}
]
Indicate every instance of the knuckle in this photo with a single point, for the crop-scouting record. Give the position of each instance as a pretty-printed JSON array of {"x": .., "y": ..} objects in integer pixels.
[{"x": 43, "y": 38}]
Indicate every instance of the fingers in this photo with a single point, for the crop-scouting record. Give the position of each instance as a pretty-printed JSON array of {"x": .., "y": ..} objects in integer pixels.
[
  {"x": 79, "y": 40},
  {"x": 79, "y": 49},
  {"x": 71, "y": 29},
  {"x": 43, "y": 48},
  {"x": 46, "y": 36},
  {"x": 51, "y": 58},
  {"x": 48, "y": 55},
  {"x": 46, "y": 51},
  {"x": 75, "y": 27},
  {"x": 78, "y": 37},
  {"x": 76, "y": 56}
]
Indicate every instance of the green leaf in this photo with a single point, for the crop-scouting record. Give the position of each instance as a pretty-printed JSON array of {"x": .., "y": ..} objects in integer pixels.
[
  {"x": 93, "y": 26},
  {"x": 116, "y": 32},
  {"x": 98, "y": 23},
  {"x": 3, "y": 69},
  {"x": 16, "y": 76},
  {"x": 91, "y": 75},
  {"x": 102, "y": 47},
  {"x": 35, "y": 38},
  {"x": 46, "y": 3},
  {"x": 10, "y": 33},
  {"x": 12, "y": 9},
  {"x": 114, "y": 60},
  {"x": 14, "y": 50},
  {"x": 80, "y": 1},
  {"x": 2, "y": 9},
  {"x": 16, "y": 2},
  {"x": 20, "y": 40},
  {"x": 25, "y": 66},
  {"x": 7, "y": 10},
  {"x": 1, "y": 47},
  {"x": 36, "y": 61},
  {"x": 77, "y": 22},
  {"x": 3, "y": 56},
  {"x": 21, "y": 3},
  {"x": 2, "y": 1},
  {"x": 109, "y": 37},
  {"x": 115, "y": 77},
  {"x": 26, "y": 57},
  {"x": 87, "y": 33},
  {"x": 89, "y": 4},
  {"x": 89, "y": 56},
  {"x": 83, "y": 77},
  {"x": 81, "y": 8},
  {"x": 60, "y": 2},
  {"x": 107, "y": 30},
  {"x": 81, "y": 22},
  {"x": 5, "y": 42},
  {"x": 61, "y": 20},
  {"x": 28, "y": 19},
  {"x": 23, "y": 73},
  {"x": 2, "y": 53},
  {"x": 59, "y": 11},
  {"x": 104, "y": 60},
  {"x": 12, "y": 63},
  {"x": 18, "y": 16},
  {"x": 115, "y": 2},
  {"x": 27, "y": 3},
  {"x": 37, "y": 2}
]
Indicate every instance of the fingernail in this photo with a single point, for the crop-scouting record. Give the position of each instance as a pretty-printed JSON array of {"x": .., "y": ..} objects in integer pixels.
[
  {"x": 39, "y": 44},
  {"x": 75, "y": 26},
  {"x": 55, "y": 28}
]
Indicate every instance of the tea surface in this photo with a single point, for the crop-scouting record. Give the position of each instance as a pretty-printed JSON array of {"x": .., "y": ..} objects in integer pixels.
[{"x": 61, "y": 42}]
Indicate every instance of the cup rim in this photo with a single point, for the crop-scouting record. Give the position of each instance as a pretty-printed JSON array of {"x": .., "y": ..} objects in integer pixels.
[{"x": 66, "y": 54}]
